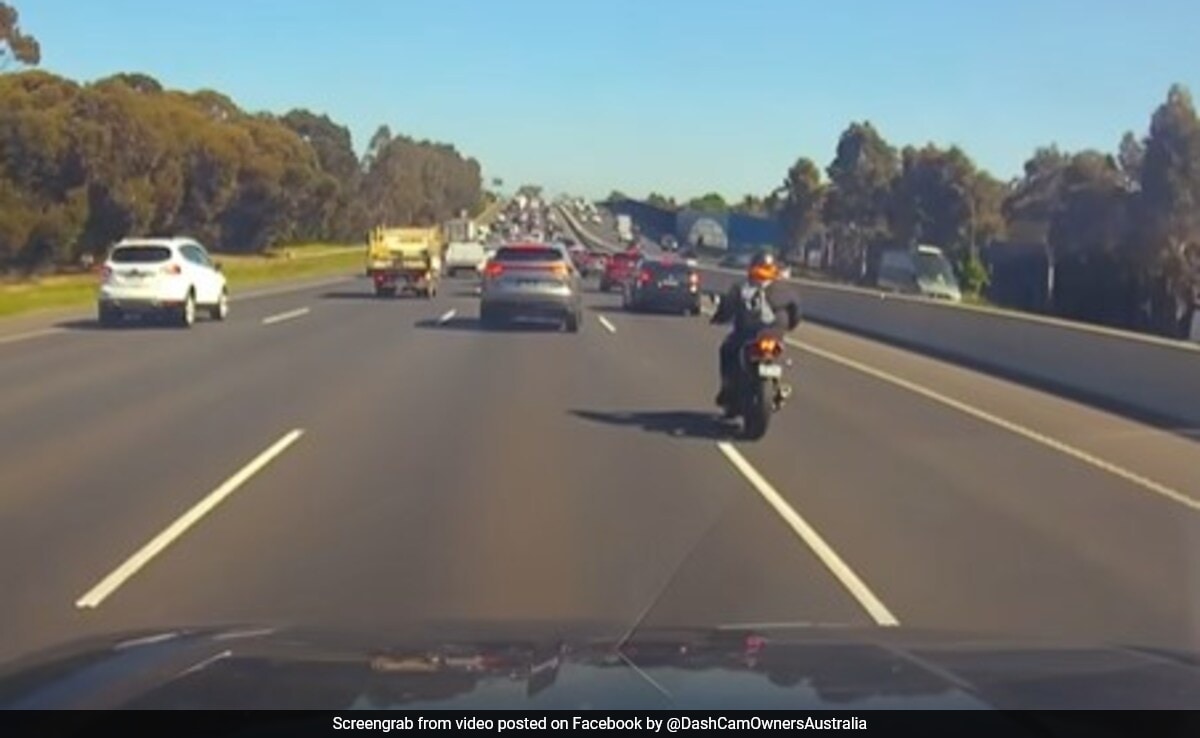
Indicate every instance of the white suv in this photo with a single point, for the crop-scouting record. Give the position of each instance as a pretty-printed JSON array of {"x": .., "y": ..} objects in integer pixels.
[{"x": 172, "y": 276}]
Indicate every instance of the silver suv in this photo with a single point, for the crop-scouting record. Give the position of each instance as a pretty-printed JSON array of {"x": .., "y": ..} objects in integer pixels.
[{"x": 531, "y": 280}]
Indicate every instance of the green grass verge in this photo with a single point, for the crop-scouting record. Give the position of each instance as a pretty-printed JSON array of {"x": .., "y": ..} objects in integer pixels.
[
  {"x": 979, "y": 301},
  {"x": 294, "y": 262}
]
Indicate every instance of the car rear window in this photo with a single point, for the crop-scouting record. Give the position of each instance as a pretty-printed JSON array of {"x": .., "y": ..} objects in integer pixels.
[
  {"x": 140, "y": 254},
  {"x": 528, "y": 254},
  {"x": 669, "y": 270}
]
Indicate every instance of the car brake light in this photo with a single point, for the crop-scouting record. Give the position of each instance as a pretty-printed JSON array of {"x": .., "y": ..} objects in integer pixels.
[
  {"x": 172, "y": 269},
  {"x": 644, "y": 277},
  {"x": 493, "y": 270},
  {"x": 755, "y": 643}
]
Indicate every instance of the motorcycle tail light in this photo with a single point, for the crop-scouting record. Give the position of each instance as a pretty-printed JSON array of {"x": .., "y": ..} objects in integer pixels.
[{"x": 768, "y": 347}]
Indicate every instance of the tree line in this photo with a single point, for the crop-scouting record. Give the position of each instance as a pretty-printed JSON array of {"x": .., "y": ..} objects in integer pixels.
[
  {"x": 1118, "y": 232},
  {"x": 83, "y": 165}
]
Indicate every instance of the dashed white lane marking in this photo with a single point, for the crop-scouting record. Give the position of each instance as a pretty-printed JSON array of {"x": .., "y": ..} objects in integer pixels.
[
  {"x": 446, "y": 316},
  {"x": 839, "y": 568},
  {"x": 97, "y": 594},
  {"x": 607, "y": 325},
  {"x": 289, "y": 315}
]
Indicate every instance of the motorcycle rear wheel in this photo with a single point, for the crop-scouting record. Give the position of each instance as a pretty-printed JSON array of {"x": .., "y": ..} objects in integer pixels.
[{"x": 756, "y": 416}]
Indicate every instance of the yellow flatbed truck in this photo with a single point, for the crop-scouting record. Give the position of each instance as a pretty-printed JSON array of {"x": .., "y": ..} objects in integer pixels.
[{"x": 401, "y": 260}]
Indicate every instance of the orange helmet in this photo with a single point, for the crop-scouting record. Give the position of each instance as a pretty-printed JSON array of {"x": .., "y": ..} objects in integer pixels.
[{"x": 763, "y": 268}]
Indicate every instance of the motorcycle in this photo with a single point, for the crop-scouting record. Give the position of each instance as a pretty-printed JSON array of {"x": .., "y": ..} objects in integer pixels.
[{"x": 759, "y": 389}]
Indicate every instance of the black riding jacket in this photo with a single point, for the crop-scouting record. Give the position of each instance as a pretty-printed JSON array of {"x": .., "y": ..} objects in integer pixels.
[{"x": 780, "y": 297}]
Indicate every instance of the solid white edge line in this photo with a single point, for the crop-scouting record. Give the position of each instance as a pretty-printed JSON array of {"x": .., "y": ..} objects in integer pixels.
[
  {"x": 446, "y": 316},
  {"x": 1008, "y": 425},
  {"x": 839, "y": 568},
  {"x": 109, "y": 584},
  {"x": 30, "y": 334},
  {"x": 280, "y": 317},
  {"x": 607, "y": 325}
]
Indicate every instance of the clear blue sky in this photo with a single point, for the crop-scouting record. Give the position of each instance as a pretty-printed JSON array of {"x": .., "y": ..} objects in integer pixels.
[{"x": 680, "y": 96}]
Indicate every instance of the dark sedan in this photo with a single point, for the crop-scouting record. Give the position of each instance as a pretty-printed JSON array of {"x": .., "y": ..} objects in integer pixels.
[{"x": 672, "y": 286}]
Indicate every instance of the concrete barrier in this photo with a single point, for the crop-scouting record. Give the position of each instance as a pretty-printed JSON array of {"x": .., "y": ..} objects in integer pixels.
[{"x": 1156, "y": 378}]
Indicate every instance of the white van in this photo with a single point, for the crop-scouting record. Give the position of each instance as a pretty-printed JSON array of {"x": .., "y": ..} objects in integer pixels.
[
  {"x": 465, "y": 256},
  {"x": 923, "y": 271}
]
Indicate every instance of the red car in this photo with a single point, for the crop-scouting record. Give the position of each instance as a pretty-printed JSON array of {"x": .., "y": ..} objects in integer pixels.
[
  {"x": 587, "y": 262},
  {"x": 578, "y": 256},
  {"x": 619, "y": 268},
  {"x": 594, "y": 262}
]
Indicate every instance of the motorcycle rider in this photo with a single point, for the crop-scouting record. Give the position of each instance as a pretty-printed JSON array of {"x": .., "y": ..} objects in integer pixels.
[{"x": 757, "y": 304}]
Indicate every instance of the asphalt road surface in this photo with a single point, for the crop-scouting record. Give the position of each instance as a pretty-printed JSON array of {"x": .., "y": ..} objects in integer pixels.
[{"x": 326, "y": 457}]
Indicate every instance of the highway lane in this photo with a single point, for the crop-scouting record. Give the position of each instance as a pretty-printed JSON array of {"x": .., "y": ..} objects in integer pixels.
[
  {"x": 445, "y": 473},
  {"x": 1161, "y": 458},
  {"x": 1085, "y": 520},
  {"x": 104, "y": 433},
  {"x": 954, "y": 522},
  {"x": 41, "y": 358},
  {"x": 40, "y": 324}
]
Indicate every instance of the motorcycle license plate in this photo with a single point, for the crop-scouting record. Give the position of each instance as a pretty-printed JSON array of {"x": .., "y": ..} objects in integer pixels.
[{"x": 770, "y": 370}]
